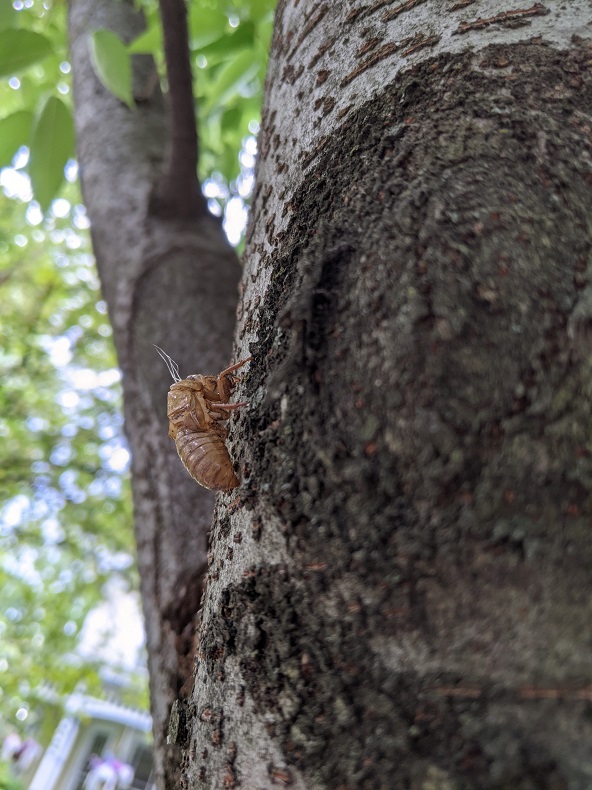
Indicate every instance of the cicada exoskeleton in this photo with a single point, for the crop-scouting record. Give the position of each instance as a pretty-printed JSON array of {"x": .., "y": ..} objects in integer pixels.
[{"x": 196, "y": 407}]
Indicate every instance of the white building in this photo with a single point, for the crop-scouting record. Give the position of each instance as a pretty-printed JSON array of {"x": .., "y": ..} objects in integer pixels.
[
  {"x": 100, "y": 743},
  {"x": 94, "y": 728}
]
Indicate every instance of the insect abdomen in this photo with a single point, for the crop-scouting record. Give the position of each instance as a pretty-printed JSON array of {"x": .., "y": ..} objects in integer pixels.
[{"x": 206, "y": 458}]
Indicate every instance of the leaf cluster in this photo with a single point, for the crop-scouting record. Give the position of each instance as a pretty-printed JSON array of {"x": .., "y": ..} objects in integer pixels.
[
  {"x": 229, "y": 44},
  {"x": 35, "y": 107},
  {"x": 65, "y": 513}
]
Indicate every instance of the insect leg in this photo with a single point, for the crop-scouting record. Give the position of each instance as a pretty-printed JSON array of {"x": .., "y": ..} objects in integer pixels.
[
  {"x": 205, "y": 405},
  {"x": 219, "y": 411},
  {"x": 227, "y": 380},
  {"x": 235, "y": 366}
]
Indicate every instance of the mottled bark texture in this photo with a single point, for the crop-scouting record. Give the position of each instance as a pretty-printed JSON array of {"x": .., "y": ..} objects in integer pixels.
[
  {"x": 170, "y": 278},
  {"x": 401, "y": 595}
]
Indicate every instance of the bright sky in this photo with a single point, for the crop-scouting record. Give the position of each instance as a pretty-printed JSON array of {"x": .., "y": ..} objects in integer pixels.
[{"x": 114, "y": 632}]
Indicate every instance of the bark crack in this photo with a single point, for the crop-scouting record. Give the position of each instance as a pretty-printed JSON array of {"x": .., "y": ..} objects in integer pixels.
[{"x": 517, "y": 15}]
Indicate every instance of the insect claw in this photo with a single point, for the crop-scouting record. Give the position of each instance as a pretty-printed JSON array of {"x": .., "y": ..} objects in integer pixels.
[{"x": 235, "y": 366}]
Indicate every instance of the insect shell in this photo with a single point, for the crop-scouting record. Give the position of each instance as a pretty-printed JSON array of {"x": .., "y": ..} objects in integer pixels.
[{"x": 196, "y": 407}]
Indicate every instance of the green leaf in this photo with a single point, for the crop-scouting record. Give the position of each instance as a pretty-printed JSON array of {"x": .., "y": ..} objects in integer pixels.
[
  {"x": 231, "y": 119},
  {"x": 240, "y": 38},
  {"x": 150, "y": 41},
  {"x": 235, "y": 75},
  {"x": 52, "y": 144},
  {"x": 8, "y": 15},
  {"x": 205, "y": 26},
  {"x": 14, "y": 132},
  {"x": 20, "y": 48},
  {"x": 260, "y": 9},
  {"x": 112, "y": 64}
]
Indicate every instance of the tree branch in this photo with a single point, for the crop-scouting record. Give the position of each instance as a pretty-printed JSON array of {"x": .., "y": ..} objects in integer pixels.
[{"x": 179, "y": 192}]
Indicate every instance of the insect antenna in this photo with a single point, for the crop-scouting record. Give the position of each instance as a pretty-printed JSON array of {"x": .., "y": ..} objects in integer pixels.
[{"x": 172, "y": 366}]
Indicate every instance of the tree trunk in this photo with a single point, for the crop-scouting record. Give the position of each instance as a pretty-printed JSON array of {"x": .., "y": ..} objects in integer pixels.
[
  {"x": 168, "y": 281},
  {"x": 401, "y": 595}
]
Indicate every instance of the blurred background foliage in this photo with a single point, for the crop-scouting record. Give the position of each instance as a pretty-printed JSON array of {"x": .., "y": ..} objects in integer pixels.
[{"x": 66, "y": 527}]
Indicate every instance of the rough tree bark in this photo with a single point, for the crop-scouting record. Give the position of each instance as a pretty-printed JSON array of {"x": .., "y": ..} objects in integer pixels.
[
  {"x": 170, "y": 278},
  {"x": 401, "y": 595}
]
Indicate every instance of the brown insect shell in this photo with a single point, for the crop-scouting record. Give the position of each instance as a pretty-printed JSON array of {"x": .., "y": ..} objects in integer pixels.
[
  {"x": 216, "y": 389},
  {"x": 190, "y": 402},
  {"x": 192, "y": 410}
]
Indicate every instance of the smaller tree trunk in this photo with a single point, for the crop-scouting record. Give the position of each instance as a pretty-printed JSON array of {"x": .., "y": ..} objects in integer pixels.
[{"x": 169, "y": 278}]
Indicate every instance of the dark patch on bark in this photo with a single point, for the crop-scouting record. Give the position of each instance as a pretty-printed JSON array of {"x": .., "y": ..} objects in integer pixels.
[
  {"x": 430, "y": 464},
  {"x": 318, "y": 696},
  {"x": 183, "y": 615}
]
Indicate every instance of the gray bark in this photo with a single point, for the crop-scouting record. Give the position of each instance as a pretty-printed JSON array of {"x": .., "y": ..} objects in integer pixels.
[
  {"x": 401, "y": 596},
  {"x": 168, "y": 281}
]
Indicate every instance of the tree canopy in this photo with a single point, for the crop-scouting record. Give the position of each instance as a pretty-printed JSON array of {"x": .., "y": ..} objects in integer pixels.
[{"x": 65, "y": 519}]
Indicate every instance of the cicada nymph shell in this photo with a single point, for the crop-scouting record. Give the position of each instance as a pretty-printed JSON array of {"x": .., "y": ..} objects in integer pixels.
[{"x": 196, "y": 407}]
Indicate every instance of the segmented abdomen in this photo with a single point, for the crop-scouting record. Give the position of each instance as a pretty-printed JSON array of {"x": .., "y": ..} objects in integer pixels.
[{"x": 206, "y": 458}]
